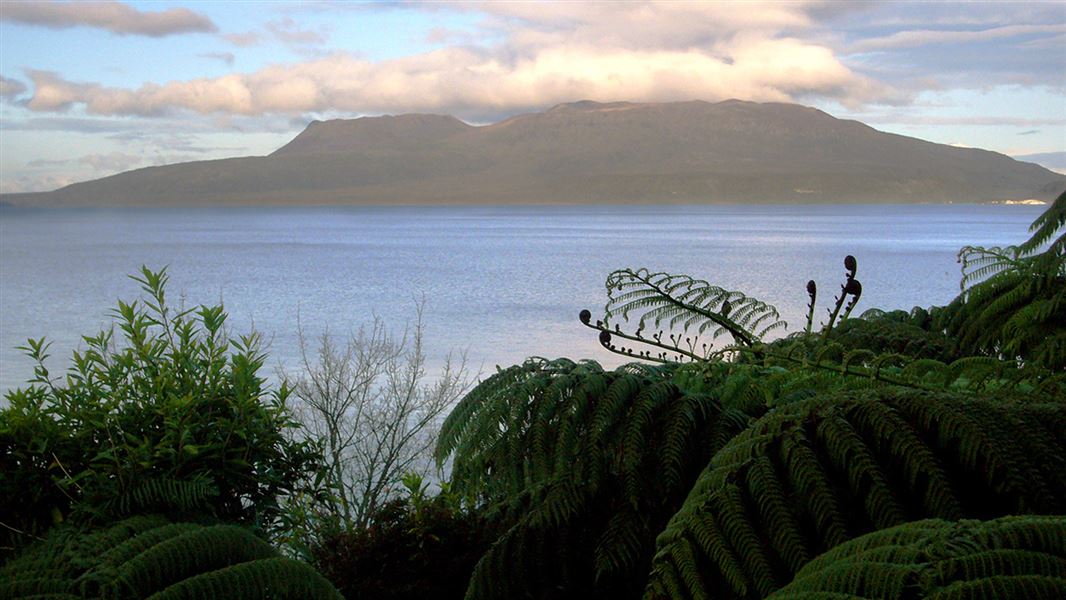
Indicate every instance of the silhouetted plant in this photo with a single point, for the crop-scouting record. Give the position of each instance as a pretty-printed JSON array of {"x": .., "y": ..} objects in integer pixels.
[{"x": 684, "y": 311}]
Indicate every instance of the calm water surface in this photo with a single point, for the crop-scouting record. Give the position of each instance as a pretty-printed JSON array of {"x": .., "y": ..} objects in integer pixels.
[{"x": 501, "y": 283}]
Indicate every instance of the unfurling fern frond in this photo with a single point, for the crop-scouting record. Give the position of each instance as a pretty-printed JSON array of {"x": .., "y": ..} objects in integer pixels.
[
  {"x": 152, "y": 557},
  {"x": 687, "y": 315},
  {"x": 810, "y": 475},
  {"x": 1009, "y": 557},
  {"x": 692, "y": 310}
]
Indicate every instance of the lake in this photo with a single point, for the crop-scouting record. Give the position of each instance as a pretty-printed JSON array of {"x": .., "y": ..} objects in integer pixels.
[{"x": 501, "y": 283}]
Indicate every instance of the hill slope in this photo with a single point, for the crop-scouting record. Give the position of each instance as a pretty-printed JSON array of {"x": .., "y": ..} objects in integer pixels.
[{"x": 584, "y": 152}]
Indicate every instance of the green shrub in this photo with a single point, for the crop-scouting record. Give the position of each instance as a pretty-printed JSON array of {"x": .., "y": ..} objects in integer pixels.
[{"x": 175, "y": 417}]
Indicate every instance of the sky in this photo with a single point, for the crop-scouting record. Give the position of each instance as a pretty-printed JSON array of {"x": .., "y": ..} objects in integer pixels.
[{"x": 88, "y": 89}]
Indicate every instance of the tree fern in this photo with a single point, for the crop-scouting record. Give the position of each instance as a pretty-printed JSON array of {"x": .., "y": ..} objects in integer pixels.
[
  {"x": 587, "y": 465},
  {"x": 584, "y": 464},
  {"x": 1013, "y": 303},
  {"x": 1009, "y": 557},
  {"x": 813, "y": 474},
  {"x": 150, "y": 556},
  {"x": 186, "y": 554}
]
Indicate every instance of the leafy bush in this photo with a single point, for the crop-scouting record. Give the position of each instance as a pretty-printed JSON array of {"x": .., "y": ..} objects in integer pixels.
[
  {"x": 153, "y": 557},
  {"x": 175, "y": 418},
  {"x": 415, "y": 547}
]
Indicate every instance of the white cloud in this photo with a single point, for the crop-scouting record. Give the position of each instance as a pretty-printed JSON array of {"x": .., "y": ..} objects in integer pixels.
[
  {"x": 24, "y": 182},
  {"x": 286, "y": 30},
  {"x": 748, "y": 66},
  {"x": 111, "y": 162},
  {"x": 550, "y": 53},
  {"x": 923, "y": 37},
  {"x": 115, "y": 17},
  {"x": 645, "y": 24}
]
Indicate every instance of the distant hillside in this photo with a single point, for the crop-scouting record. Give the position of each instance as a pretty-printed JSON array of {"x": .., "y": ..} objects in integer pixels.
[{"x": 584, "y": 152}]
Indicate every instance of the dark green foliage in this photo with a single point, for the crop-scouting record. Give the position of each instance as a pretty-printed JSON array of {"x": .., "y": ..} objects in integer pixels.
[
  {"x": 587, "y": 465},
  {"x": 1013, "y": 303},
  {"x": 415, "y": 548},
  {"x": 173, "y": 418},
  {"x": 266, "y": 579},
  {"x": 1020, "y": 557},
  {"x": 186, "y": 554},
  {"x": 150, "y": 556},
  {"x": 583, "y": 465},
  {"x": 814, "y": 474},
  {"x": 908, "y": 334},
  {"x": 889, "y": 349}
]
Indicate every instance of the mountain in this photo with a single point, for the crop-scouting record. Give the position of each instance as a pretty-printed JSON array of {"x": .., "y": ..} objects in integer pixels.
[{"x": 584, "y": 152}]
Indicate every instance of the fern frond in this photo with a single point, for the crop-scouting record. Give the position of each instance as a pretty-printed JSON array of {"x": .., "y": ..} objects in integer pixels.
[
  {"x": 265, "y": 579},
  {"x": 596, "y": 460},
  {"x": 693, "y": 306},
  {"x": 152, "y": 557},
  {"x": 942, "y": 560},
  {"x": 812, "y": 474},
  {"x": 1049, "y": 224}
]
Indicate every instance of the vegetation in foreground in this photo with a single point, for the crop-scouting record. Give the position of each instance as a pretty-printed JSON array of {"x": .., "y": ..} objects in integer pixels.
[{"x": 898, "y": 454}]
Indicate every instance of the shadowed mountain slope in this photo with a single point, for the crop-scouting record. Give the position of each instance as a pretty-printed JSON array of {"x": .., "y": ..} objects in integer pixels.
[{"x": 585, "y": 152}]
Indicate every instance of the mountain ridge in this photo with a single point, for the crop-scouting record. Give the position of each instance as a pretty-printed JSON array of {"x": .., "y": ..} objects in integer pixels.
[{"x": 583, "y": 152}]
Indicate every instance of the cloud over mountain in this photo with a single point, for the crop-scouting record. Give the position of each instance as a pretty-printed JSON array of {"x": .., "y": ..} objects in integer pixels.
[{"x": 457, "y": 79}]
